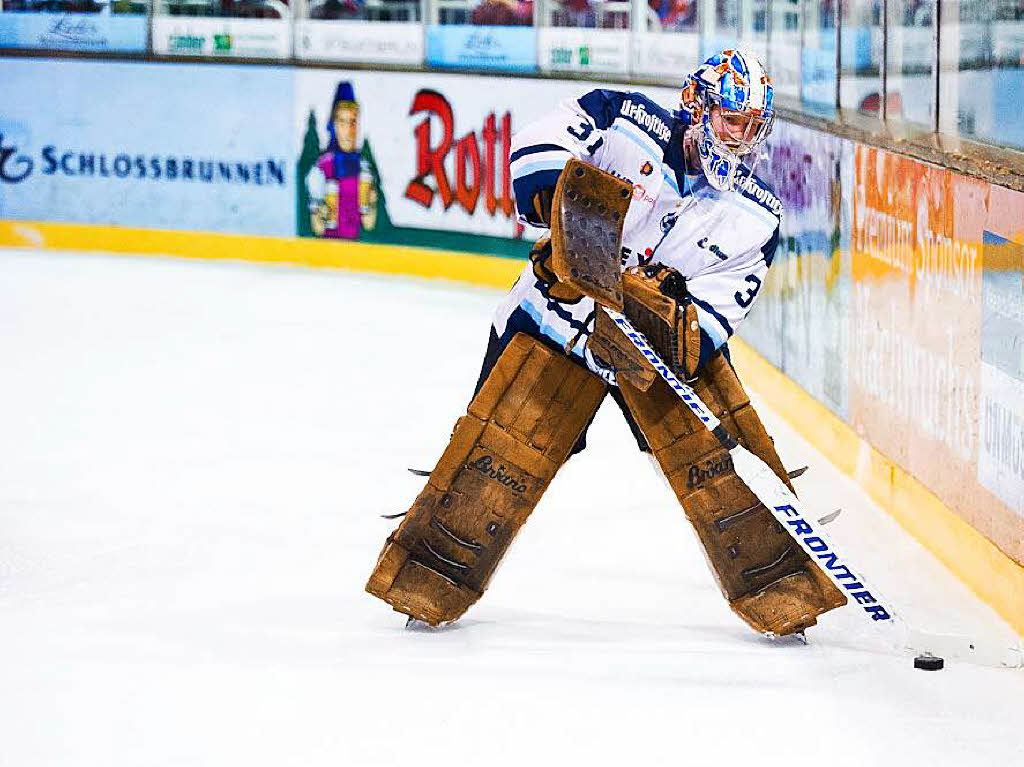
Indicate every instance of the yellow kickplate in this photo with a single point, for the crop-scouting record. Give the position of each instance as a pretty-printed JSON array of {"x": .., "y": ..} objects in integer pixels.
[{"x": 357, "y": 256}]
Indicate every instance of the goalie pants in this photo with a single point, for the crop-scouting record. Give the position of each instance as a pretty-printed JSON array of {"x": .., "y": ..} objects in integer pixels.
[{"x": 521, "y": 322}]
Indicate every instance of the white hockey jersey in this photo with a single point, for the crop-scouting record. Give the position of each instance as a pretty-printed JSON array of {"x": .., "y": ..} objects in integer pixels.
[{"x": 721, "y": 242}]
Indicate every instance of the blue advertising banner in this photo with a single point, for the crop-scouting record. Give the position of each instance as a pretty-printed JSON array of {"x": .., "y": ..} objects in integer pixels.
[
  {"x": 801, "y": 322},
  {"x": 73, "y": 31},
  {"x": 818, "y": 72},
  {"x": 478, "y": 47},
  {"x": 167, "y": 146}
]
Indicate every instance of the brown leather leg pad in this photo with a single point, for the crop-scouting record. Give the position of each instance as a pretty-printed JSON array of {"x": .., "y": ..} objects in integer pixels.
[
  {"x": 504, "y": 452},
  {"x": 769, "y": 580}
]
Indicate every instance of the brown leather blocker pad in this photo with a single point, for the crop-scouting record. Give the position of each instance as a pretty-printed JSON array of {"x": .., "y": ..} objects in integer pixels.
[
  {"x": 587, "y": 215},
  {"x": 669, "y": 325},
  {"x": 769, "y": 581},
  {"x": 503, "y": 453}
]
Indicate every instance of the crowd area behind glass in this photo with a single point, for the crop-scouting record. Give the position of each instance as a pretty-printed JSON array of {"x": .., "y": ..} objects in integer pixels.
[{"x": 955, "y": 67}]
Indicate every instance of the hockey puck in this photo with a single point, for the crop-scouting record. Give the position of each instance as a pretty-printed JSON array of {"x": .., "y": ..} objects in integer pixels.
[{"x": 929, "y": 662}]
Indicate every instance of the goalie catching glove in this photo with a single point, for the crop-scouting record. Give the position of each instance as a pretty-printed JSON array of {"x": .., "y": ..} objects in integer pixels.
[{"x": 656, "y": 302}]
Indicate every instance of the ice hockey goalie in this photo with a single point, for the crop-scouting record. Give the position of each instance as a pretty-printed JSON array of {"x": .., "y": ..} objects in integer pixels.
[{"x": 659, "y": 215}]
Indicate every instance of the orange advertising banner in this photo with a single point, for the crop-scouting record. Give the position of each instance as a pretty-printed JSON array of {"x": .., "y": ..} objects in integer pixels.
[{"x": 920, "y": 390}]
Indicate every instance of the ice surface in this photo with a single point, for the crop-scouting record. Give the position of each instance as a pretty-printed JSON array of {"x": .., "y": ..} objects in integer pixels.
[{"x": 192, "y": 464}]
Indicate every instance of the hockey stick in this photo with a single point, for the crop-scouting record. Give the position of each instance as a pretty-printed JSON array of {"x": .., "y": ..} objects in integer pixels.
[{"x": 788, "y": 510}]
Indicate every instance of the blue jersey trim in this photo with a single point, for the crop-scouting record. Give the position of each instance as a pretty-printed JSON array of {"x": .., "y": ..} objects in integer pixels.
[
  {"x": 549, "y": 332},
  {"x": 672, "y": 183},
  {"x": 560, "y": 312},
  {"x": 526, "y": 187},
  {"x": 714, "y": 313},
  {"x": 769, "y": 249},
  {"x": 707, "y": 348},
  {"x": 541, "y": 165},
  {"x": 602, "y": 106},
  {"x": 534, "y": 149}
]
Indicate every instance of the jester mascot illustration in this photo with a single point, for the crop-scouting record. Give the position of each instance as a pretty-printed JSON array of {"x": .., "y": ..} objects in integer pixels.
[{"x": 333, "y": 183}]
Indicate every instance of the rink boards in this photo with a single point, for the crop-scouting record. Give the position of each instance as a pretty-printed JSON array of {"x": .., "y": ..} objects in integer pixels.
[{"x": 893, "y": 308}]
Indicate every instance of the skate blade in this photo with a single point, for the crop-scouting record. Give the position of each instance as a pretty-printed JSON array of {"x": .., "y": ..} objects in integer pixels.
[{"x": 416, "y": 625}]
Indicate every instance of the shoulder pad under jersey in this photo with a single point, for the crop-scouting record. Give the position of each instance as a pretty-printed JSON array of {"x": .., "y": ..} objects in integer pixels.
[{"x": 606, "y": 106}]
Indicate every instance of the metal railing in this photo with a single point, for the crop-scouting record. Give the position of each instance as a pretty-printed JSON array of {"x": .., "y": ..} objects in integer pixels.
[{"x": 950, "y": 68}]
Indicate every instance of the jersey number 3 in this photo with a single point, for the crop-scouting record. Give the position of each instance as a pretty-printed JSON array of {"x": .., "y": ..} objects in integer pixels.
[
  {"x": 746, "y": 300},
  {"x": 582, "y": 133}
]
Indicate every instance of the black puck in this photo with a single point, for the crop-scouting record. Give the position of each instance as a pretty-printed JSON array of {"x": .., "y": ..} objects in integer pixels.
[{"x": 929, "y": 662}]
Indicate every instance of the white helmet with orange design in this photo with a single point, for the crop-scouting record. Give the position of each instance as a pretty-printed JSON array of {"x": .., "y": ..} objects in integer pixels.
[{"x": 729, "y": 100}]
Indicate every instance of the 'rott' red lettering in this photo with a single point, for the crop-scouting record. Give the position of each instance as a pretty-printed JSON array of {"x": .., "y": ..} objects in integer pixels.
[
  {"x": 430, "y": 160},
  {"x": 476, "y": 169},
  {"x": 467, "y": 149}
]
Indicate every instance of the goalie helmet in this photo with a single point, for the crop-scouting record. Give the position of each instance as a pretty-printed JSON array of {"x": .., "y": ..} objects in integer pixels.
[{"x": 730, "y": 100}]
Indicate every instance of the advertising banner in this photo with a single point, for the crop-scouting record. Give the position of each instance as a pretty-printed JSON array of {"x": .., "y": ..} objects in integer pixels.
[
  {"x": 416, "y": 158},
  {"x": 896, "y": 299},
  {"x": 1001, "y": 441},
  {"x": 916, "y": 250},
  {"x": 475, "y": 47},
  {"x": 672, "y": 54},
  {"x": 936, "y": 372},
  {"x": 172, "y": 146},
  {"x": 359, "y": 41},
  {"x": 245, "y": 38},
  {"x": 583, "y": 50},
  {"x": 1001, "y": 416},
  {"x": 406, "y": 157},
  {"x": 73, "y": 31}
]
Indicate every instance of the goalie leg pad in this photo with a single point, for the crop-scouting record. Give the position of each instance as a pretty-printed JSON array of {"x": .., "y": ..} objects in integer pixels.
[
  {"x": 769, "y": 581},
  {"x": 518, "y": 431}
]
